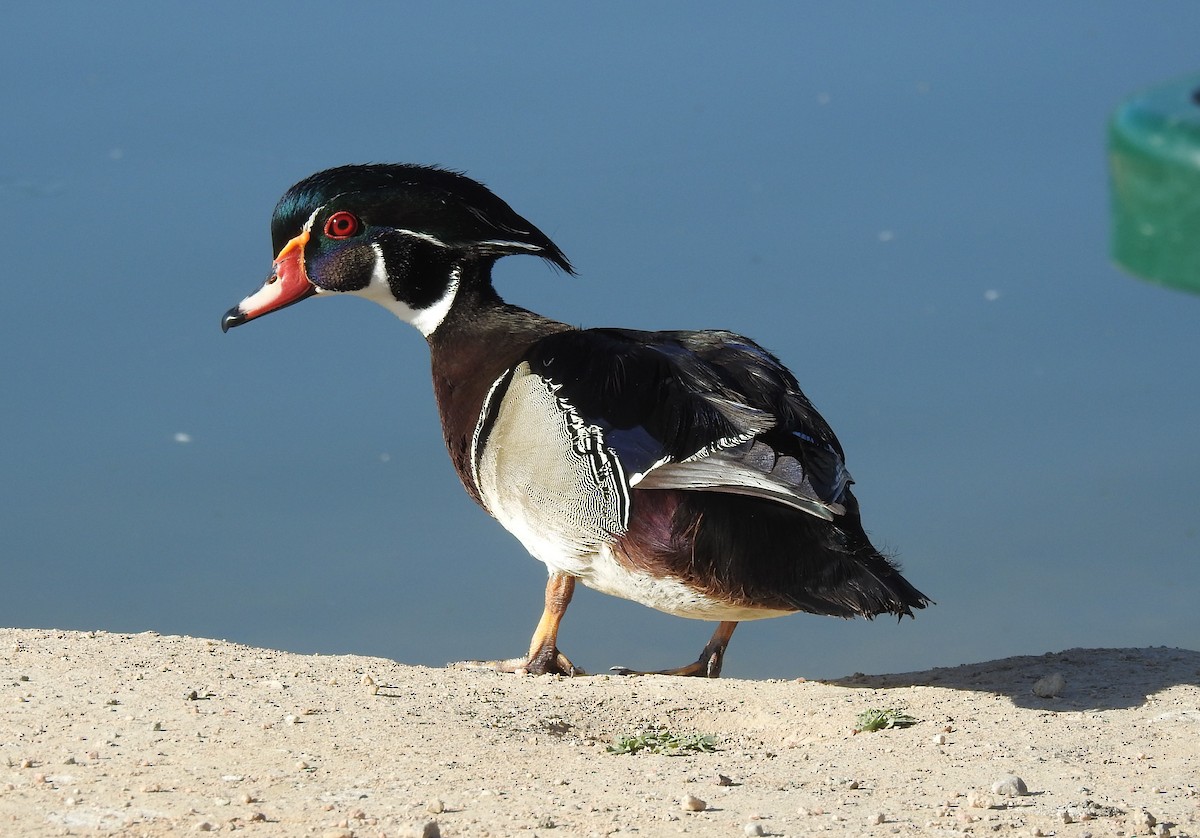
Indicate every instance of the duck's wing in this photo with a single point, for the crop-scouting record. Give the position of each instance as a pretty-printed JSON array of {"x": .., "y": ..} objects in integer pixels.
[{"x": 700, "y": 411}]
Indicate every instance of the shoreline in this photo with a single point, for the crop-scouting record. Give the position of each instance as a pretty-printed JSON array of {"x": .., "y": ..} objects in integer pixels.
[{"x": 150, "y": 735}]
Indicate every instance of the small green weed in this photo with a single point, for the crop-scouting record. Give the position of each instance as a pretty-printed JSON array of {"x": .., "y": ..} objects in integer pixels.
[
  {"x": 663, "y": 742},
  {"x": 882, "y": 720}
]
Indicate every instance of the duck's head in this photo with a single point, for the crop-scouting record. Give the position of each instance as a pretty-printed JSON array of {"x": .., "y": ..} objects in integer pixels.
[{"x": 404, "y": 236}]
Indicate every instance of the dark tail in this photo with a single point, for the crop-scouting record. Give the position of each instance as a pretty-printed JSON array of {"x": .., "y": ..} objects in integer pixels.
[{"x": 798, "y": 560}]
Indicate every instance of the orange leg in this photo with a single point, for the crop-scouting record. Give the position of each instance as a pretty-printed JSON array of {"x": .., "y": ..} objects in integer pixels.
[
  {"x": 544, "y": 657},
  {"x": 708, "y": 665}
]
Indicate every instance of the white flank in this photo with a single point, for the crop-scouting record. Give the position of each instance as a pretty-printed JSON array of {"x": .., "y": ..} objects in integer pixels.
[{"x": 605, "y": 574}]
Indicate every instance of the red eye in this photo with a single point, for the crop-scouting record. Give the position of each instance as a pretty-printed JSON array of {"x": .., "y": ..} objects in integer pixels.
[{"x": 342, "y": 225}]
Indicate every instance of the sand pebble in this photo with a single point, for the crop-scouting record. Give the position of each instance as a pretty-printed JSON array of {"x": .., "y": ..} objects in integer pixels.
[
  {"x": 753, "y": 829},
  {"x": 876, "y": 819},
  {"x": 722, "y": 780},
  {"x": 976, "y": 800},
  {"x": 429, "y": 829},
  {"x": 1142, "y": 822},
  {"x": 691, "y": 803},
  {"x": 1049, "y": 686},
  {"x": 1010, "y": 785}
]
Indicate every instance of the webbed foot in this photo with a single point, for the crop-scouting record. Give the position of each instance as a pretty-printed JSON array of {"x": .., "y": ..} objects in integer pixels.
[
  {"x": 553, "y": 662},
  {"x": 708, "y": 665}
]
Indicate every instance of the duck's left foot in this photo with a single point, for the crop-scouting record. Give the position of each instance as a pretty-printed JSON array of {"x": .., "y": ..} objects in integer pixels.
[
  {"x": 708, "y": 665},
  {"x": 553, "y": 662}
]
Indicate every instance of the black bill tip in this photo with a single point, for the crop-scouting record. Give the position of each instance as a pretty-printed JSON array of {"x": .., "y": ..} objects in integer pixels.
[{"x": 231, "y": 318}]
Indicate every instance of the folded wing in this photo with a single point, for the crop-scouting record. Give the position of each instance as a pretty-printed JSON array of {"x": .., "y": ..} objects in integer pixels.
[{"x": 702, "y": 411}]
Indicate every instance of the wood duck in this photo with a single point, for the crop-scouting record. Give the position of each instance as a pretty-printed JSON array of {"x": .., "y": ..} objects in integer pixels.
[{"x": 682, "y": 470}]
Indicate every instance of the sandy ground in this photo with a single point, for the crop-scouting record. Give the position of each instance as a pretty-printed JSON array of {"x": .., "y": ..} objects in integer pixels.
[{"x": 108, "y": 734}]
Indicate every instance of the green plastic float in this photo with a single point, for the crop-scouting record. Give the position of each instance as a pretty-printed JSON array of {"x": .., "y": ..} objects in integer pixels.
[{"x": 1154, "y": 156}]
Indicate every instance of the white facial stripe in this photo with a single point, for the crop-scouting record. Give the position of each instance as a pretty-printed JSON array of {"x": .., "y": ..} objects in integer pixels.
[
  {"x": 425, "y": 319},
  {"x": 425, "y": 237},
  {"x": 532, "y": 248},
  {"x": 308, "y": 224}
]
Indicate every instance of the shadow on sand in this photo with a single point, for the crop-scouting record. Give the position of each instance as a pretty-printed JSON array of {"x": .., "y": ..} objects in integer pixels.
[{"x": 1096, "y": 679}]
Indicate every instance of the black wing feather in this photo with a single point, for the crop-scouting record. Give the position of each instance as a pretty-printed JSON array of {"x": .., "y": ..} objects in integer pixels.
[{"x": 670, "y": 397}]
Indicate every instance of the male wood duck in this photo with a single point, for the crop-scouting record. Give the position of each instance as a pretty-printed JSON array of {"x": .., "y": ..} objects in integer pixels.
[{"x": 682, "y": 470}]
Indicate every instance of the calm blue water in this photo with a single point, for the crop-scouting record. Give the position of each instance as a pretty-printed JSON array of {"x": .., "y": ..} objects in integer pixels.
[{"x": 907, "y": 203}]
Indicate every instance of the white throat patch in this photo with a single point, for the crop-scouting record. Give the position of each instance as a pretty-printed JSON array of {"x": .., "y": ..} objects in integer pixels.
[{"x": 425, "y": 319}]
